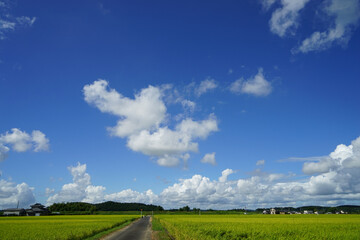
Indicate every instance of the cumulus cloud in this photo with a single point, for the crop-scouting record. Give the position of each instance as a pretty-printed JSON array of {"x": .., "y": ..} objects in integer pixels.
[
  {"x": 21, "y": 141},
  {"x": 41, "y": 143},
  {"x": 323, "y": 166},
  {"x": 205, "y": 86},
  {"x": 9, "y": 23},
  {"x": 257, "y": 86},
  {"x": 346, "y": 15},
  {"x": 129, "y": 195},
  {"x": 341, "y": 158},
  {"x": 325, "y": 186},
  {"x": 209, "y": 158},
  {"x": 169, "y": 144},
  {"x": 80, "y": 190},
  {"x": 11, "y": 194},
  {"x": 285, "y": 19},
  {"x": 3, "y": 152},
  {"x": 225, "y": 174},
  {"x": 146, "y": 111},
  {"x": 273, "y": 189},
  {"x": 142, "y": 122}
]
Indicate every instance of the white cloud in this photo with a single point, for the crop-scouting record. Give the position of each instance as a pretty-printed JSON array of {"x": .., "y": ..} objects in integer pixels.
[
  {"x": 11, "y": 194},
  {"x": 267, "y": 3},
  {"x": 267, "y": 190},
  {"x": 341, "y": 158},
  {"x": 257, "y": 86},
  {"x": 189, "y": 105},
  {"x": 49, "y": 191},
  {"x": 260, "y": 163},
  {"x": 146, "y": 111},
  {"x": 342, "y": 152},
  {"x": 142, "y": 122},
  {"x": 284, "y": 20},
  {"x": 225, "y": 174},
  {"x": 9, "y": 23},
  {"x": 328, "y": 185},
  {"x": 26, "y": 21},
  {"x": 80, "y": 190},
  {"x": 205, "y": 86},
  {"x": 168, "y": 145},
  {"x": 209, "y": 158},
  {"x": 323, "y": 166},
  {"x": 129, "y": 195},
  {"x": 3, "y": 152},
  {"x": 168, "y": 161},
  {"x": 21, "y": 141},
  {"x": 346, "y": 14},
  {"x": 41, "y": 143}
]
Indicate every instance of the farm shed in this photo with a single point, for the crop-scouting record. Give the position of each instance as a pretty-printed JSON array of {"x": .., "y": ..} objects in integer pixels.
[{"x": 14, "y": 212}]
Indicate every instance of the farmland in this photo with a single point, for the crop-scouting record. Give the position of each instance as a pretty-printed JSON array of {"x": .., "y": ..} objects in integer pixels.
[
  {"x": 59, "y": 227},
  {"x": 208, "y": 227}
]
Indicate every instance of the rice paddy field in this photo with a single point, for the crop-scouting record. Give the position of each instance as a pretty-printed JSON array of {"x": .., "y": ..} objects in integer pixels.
[
  {"x": 59, "y": 227},
  {"x": 232, "y": 227}
]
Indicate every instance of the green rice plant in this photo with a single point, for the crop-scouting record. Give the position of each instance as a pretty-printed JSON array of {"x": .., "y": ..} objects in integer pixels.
[
  {"x": 232, "y": 227},
  {"x": 59, "y": 227}
]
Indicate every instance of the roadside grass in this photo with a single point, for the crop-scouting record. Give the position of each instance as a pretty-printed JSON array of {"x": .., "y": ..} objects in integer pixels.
[
  {"x": 158, "y": 231},
  {"x": 108, "y": 231}
]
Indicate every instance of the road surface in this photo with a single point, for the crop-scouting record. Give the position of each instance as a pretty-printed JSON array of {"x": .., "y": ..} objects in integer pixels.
[{"x": 138, "y": 230}]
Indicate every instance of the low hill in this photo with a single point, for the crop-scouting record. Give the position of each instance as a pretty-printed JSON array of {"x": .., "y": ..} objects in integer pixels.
[
  {"x": 117, "y": 206},
  {"x": 105, "y": 206}
]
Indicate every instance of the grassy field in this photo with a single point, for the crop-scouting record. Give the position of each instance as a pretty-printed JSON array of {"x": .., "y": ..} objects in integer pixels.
[
  {"x": 234, "y": 227},
  {"x": 59, "y": 227}
]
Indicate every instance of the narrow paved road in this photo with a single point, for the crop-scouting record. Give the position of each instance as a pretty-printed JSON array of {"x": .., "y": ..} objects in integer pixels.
[{"x": 138, "y": 230}]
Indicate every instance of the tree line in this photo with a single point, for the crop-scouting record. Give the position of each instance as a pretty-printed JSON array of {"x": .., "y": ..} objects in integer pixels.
[{"x": 105, "y": 206}]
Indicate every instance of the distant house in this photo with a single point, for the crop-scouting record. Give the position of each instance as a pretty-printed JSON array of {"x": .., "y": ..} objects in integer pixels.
[
  {"x": 14, "y": 212},
  {"x": 37, "y": 210},
  {"x": 272, "y": 211},
  {"x": 308, "y": 212},
  {"x": 266, "y": 212}
]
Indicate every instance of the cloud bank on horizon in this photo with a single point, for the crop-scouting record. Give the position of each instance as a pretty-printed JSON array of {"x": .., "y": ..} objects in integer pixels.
[{"x": 331, "y": 181}]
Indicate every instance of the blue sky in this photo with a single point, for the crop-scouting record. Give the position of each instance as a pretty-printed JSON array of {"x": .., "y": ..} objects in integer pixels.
[{"x": 211, "y": 104}]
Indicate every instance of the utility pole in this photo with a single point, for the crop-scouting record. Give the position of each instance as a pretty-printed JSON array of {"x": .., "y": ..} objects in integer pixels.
[{"x": 141, "y": 213}]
